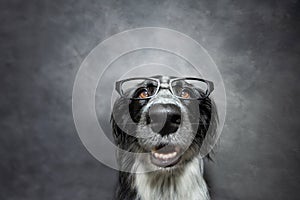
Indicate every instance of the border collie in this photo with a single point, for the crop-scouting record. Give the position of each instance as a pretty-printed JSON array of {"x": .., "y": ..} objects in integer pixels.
[{"x": 160, "y": 124}]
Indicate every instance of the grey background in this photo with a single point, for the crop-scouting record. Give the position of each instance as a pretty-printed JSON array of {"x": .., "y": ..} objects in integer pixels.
[{"x": 254, "y": 43}]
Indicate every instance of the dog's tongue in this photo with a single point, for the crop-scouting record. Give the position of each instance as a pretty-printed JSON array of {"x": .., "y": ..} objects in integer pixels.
[{"x": 165, "y": 149}]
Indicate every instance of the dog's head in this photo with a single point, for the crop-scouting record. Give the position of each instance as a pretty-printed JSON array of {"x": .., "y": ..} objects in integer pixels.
[{"x": 167, "y": 118}]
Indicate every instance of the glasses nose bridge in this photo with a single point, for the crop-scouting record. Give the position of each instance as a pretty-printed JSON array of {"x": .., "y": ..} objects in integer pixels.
[
  {"x": 164, "y": 89},
  {"x": 164, "y": 85}
]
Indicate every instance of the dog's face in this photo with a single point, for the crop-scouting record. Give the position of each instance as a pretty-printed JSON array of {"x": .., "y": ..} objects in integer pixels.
[{"x": 168, "y": 124}]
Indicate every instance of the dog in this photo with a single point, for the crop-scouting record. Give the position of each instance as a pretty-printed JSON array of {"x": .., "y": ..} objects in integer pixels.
[{"x": 160, "y": 124}]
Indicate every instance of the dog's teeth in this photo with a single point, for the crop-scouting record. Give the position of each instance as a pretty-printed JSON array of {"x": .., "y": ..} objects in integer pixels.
[{"x": 165, "y": 156}]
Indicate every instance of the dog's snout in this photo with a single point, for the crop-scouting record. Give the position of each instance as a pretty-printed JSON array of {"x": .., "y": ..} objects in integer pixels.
[{"x": 164, "y": 118}]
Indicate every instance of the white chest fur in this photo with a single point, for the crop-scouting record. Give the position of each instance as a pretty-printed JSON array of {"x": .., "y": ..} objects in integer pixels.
[{"x": 189, "y": 184}]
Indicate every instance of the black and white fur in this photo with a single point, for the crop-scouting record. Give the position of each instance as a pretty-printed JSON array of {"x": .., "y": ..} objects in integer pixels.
[{"x": 132, "y": 132}]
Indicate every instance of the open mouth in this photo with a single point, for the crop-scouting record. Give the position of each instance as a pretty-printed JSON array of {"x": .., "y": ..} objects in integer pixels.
[{"x": 166, "y": 156}]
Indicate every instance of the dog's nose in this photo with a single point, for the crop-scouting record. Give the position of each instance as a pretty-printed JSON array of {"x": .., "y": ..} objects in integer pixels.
[{"x": 164, "y": 118}]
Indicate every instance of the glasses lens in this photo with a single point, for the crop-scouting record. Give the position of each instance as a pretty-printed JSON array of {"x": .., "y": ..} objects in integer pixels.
[
  {"x": 190, "y": 89},
  {"x": 139, "y": 88}
]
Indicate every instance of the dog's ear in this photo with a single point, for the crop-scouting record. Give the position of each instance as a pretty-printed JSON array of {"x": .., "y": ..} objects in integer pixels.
[
  {"x": 117, "y": 118},
  {"x": 209, "y": 124},
  {"x": 118, "y": 134}
]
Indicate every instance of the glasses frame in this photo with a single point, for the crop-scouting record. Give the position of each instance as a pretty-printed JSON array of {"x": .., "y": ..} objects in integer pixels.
[{"x": 210, "y": 87}]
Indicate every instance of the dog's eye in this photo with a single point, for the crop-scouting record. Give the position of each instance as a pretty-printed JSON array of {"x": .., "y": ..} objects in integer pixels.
[
  {"x": 185, "y": 94},
  {"x": 144, "y": 94}
]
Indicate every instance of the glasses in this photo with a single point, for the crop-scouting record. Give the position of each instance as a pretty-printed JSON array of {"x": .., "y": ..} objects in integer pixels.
[{"x": 183, "y": 88}]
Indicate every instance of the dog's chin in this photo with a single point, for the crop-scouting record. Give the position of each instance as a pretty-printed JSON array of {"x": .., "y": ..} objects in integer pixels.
[{"x": 166, "y": 157}]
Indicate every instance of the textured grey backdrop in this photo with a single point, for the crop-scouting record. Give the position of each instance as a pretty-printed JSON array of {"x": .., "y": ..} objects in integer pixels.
[{"x": 255, "y": 44}]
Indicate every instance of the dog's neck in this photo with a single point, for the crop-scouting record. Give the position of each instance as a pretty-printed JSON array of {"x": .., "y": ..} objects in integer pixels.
[{"x": 188, "y": 184}]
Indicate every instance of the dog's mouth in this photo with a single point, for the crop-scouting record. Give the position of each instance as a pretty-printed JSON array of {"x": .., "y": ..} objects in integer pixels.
[{"x": 165, "y": 156}]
